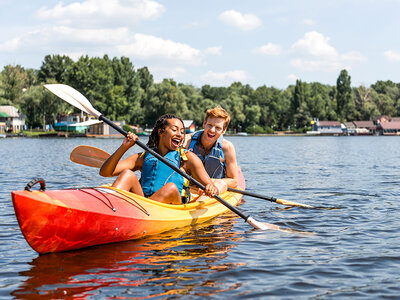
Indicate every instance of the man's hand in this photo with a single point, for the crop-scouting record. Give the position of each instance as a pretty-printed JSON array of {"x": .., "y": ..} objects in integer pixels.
[{"x": 221, "y": 185}]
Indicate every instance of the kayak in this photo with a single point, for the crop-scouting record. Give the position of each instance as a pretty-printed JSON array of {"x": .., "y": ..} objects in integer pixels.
[{"x": 69, "y": 219}]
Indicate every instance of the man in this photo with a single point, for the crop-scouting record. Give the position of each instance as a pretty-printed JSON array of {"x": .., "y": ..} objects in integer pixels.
[{"x": 217, "y": 154}]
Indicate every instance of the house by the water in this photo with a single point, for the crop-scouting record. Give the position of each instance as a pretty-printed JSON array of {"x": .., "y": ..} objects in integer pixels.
[
  {"x": 100, "y": 129},
  {"x": 326, "y": 128},
  {"x": 389, "y": 128},
  {"x": 189, "y": 126},
  {"x": 386, "y": 125},
  {"x": 11, "y": 120},
  {"x": 350, "y": 128},
  {"x": 365, "y": 127}
]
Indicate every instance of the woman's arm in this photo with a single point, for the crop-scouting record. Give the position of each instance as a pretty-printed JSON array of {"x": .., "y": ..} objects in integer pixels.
[{"x": 113, "y": 166}]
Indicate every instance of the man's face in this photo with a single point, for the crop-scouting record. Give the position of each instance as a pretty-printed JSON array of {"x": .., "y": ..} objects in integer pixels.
[{"x": 213, "y": 128}]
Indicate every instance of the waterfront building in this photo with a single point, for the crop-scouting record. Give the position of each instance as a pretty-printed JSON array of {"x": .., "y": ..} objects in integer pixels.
[{"x": 11, "y": 120}]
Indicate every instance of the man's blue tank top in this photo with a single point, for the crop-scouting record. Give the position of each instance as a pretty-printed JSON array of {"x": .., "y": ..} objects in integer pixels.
[{"x": 212, "y": 162}]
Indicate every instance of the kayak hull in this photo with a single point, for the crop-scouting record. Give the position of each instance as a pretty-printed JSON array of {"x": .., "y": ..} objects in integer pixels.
[{"x": 62, "y": 220}]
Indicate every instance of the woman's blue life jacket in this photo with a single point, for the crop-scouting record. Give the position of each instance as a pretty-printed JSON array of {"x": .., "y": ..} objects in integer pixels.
[
  {"x": 212, "y": 162},
  {"x": 155, "y": 174}
]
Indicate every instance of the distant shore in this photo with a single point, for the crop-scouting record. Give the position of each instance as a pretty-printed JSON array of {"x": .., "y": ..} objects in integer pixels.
[{"x": 61, "y": 134}]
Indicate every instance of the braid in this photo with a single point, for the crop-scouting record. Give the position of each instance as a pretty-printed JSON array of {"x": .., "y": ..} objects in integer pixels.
[{"x": 161, "y": 123}]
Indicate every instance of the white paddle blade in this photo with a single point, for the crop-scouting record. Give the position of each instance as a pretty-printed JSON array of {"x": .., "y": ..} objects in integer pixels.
[
  {"x": 262, "y": 226},
  {"x": 73, "y": 97},
  {"x": 56, "y": 90}
]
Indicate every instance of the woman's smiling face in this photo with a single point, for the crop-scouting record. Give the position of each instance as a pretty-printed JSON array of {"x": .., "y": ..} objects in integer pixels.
[{"x": 173, "y": 135}]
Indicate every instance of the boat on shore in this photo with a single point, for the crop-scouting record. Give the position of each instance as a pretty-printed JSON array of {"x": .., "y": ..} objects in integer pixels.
[{"x": 68, "y": 219}]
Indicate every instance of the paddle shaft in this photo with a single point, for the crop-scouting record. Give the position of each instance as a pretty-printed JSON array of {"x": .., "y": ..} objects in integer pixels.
[
  {"x": 175, "y": 168},
  {"x": 272, "y": 199}
]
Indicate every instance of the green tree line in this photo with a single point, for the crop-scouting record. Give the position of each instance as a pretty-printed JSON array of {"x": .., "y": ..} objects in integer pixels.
[{"x": 122, "y": 92}]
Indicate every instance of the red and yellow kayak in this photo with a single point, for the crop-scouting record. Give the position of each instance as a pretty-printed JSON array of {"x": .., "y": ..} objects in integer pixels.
[{"x": 62, "y": 220}]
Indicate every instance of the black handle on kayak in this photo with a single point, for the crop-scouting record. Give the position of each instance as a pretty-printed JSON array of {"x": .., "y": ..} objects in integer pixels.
[{"x": 175, "y": 168}]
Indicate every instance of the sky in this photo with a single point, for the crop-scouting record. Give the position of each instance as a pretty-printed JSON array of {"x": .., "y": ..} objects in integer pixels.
[{"x": 215, "y": 42}]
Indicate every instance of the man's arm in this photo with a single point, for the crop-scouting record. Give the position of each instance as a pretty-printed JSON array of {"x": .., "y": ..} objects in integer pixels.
[
  {"x": 188, "y": 139},
  {"x": 231, "y": 178},
  {"x": 196, "y": 168}
]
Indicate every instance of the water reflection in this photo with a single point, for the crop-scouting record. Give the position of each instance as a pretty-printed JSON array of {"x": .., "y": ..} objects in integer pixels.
[{"x": 167, "y": 264}]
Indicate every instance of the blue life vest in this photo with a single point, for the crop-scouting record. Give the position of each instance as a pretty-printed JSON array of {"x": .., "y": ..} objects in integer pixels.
[
  {"x": 155, "y": 174},
  {"x": 212, "y": 163}
]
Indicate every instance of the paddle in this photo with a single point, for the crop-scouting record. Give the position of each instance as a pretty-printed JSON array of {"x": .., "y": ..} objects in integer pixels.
[
  {"x": 76, "y": 99},
  {"x": 95, "y": 157},
  {"x": 89, "y": 156}
]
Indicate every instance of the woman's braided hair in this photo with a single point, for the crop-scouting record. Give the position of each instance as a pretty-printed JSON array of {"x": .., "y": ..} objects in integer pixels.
[{"x": 161, "y": 123}]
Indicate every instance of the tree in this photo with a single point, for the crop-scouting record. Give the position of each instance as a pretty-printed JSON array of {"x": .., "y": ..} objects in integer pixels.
[
  {"x": 385, "y": 105},
  {"x": 364, "y": 103},
  {"x": 381, "y": 87},
  {"x": 31, "y": 106},
  {"x": 344, "y": 100},
  {"x": 299, "y": 108},
  {"x": 94, "y": 78},
  {"x": 196, "y": 104},
  {"x": 166, "y": 98},
  {"x": 320, "y": 102},
  {"x": 252, "y": 114},
  {"x": 233, "y": 104},
  {"x": 267, "y": 99},
  {"x": 41, "y": 107},
  {"x": 129, "y": 109},
  {"x": 14, "y": 80},
  {"x": 54, "y": 67},
  {"x": 216, "y": 94},
  {"x": 146, "y": 80}
]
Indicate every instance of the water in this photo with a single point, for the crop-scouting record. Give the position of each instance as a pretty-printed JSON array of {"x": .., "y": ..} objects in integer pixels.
[{"x": 354, "y": 251}]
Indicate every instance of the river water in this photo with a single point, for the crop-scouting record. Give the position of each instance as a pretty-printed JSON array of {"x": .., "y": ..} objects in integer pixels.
[{"x": 354, "y": 251}]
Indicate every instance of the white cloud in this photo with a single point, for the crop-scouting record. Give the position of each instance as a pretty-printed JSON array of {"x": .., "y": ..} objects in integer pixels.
[
  {"x": 89, "y": 36},
  {"x": 269, "y": 49},
  {"x": 314, "y": 43},
  {"x": 11, "y": 45},
  {"x": 160, "y": 72},
  {"x": 317, "y": 65},
  {"x": 223, "y": 78},
  {"x": 119, "y": 41},
  {"x": 243, "y": 22},
  {"x": 308, "y": 22},
  {"x": 392, "y": 55},
  {"x": 177, "y": 72},
  {"x": 148, "y": 46},
  {"x": 292, "y": 77},
  {"x": 100, "y": 10},
  {"x": 314, "y": 53},
  {"x": 353, "y": 56},
  {"x": 74, "y": 55},
  {"x": 213, "y": 50},
  {"x": 65, "y": 38}
]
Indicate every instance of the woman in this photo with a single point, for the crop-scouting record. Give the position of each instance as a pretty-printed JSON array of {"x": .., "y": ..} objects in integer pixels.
[{"x": 158, "y": 181}]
